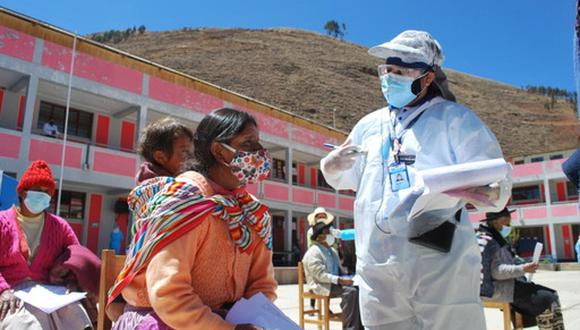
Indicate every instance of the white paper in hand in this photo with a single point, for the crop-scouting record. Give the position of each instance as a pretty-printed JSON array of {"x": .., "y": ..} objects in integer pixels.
[
  {"x": 260, "y": 311},
  {"x": 536, "y": 258},
  {"x": 48, "y": 298}
]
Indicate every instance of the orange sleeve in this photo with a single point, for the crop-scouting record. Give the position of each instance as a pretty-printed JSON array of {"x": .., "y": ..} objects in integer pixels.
[
  {"x": 169, "y": 287},
  {"x": 261, "y": 277}
]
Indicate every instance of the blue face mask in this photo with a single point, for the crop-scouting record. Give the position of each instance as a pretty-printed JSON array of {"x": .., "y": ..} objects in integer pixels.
[
  {"x": 505, "y": 231},
  {"x": 397, "y": 90},
  {"x": 36, "y": 201}
]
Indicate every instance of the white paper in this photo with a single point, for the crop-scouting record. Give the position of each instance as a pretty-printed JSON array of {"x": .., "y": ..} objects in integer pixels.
[
  {"x": 260, "y": 311},
  {"x": 536, "y": 257},
  {"x": 48, "y": 298},
  {"x": 454, "y": 178},
  {"x": 463, "y": 176}
]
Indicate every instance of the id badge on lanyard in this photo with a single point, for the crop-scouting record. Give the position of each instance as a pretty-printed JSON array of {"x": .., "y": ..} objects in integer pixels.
[{"x": 398, "y": 174}]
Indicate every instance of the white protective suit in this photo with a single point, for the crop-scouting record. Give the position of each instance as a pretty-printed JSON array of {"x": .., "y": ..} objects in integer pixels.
[{"x": 404, "y": 285}]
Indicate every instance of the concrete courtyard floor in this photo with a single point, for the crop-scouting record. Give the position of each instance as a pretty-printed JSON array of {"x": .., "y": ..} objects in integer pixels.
[{"x": 567, "y": 283}]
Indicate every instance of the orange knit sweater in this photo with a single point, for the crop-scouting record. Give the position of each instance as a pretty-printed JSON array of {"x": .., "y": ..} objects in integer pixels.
[{"x": 201, "y": 271}]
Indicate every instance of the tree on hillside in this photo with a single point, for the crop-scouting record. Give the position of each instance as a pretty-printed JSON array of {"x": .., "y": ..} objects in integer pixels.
[
  {"x": 333, "y": 28},
  {"x": 142, "y": 29}
]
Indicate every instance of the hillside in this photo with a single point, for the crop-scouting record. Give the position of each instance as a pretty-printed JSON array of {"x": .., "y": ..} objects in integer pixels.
[{"x": 311, "y": 74}]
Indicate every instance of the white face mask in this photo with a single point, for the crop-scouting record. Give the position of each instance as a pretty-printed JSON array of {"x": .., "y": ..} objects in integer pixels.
[
  {"x": 36, "y": 201},
  {"x": 505, "y": 231},
  {"x": 330, "y": 240}
]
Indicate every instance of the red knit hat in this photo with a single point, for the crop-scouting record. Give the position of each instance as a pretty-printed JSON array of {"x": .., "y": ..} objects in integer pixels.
[{"x": 38, "y": 174}]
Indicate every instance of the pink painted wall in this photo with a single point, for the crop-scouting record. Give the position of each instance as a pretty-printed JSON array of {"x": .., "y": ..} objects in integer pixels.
[
  {"x": 276, "y": 192},
  {"x": 92, "y": 68},
  {"x": 10, "y": 145},
  {"x": 346, "y": 203},
  {"x": 16, "y": 44},
  {"x": 253, "y": 189},
  {"x": 303, "y": 196},
  {"x": 527, "y": 169},
  {"x": 554, "y": 166},
  {"x": 268, "y": 124},
  {"x": 308, "y": 137},
  {"x": 114, "y": 164},
  {"x": 51, "y": 153},
  {"x": 565, "y": 210},
  {"x": 326, "y": 200},
  {"x": 475, "y": 217},
  {"x": 535, "y": 213},
  {"x": 168, "y": 92}
]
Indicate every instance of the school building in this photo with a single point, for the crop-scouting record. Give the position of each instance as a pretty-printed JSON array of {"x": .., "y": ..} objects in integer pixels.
[{"x": 114, "y": 95}]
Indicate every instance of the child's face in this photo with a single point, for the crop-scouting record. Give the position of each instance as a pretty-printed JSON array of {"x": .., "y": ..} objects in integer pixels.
[{"x": 182, "y": 150}]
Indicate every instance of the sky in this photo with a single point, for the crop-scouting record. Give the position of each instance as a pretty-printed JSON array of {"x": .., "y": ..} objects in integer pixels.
[{"x": 518, "y": 42}]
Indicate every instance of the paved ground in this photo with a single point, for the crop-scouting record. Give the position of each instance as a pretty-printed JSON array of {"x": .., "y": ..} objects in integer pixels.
[{"x": 567, "y": 283}]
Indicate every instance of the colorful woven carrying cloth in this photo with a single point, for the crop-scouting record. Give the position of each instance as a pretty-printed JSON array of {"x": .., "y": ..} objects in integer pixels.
[{"x": 166, "y": 209}]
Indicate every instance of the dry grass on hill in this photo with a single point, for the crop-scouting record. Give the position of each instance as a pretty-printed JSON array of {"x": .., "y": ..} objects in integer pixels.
[{"x": 310, "y": 74}]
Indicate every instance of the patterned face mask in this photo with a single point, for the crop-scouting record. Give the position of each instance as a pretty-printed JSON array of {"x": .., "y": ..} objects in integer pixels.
[{"x": 250, "y": 167}]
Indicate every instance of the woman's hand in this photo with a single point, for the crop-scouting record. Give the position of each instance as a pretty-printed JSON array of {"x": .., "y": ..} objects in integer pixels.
[
  {"x": 8, "y": 303},
  {"x": 247, "y": 327},
  {"x": 530, "y": 267}
]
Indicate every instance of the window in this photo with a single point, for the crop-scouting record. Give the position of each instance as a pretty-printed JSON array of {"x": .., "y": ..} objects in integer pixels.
[
  {"x": 519, "y": 162},
  {"x": 72, "y": 205},
  {"x": 571, "y": 190},
  {"x": 537, "y": 159},
  {"x": 80, "y": 123},
  {"x": 321, "y": 182},
  {"x": 554, "y": 157},
  {"x": 278, "y": 170},
  {"x": 294, "y": 174},
  {"x": 526, "y": 195}
]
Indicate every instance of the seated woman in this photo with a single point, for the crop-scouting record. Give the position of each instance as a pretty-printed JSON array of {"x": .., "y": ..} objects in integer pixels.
[
  {"x": 504, "y": 281},
  {"x": 31, "y": 241},
  {"x": 202, "y": 242}
]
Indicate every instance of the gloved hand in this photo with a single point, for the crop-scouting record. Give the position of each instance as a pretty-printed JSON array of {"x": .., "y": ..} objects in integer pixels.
[
  {"x": 491, "y": 196},
  {"x": 341, "y": 159}
]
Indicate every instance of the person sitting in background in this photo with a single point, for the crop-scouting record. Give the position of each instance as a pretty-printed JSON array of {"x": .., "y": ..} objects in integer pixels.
[
  {"x": 505, "y": 281},
  {"x": 50, "y": 129},
  {"x": 31, "y": 241},
  {"x": 202, "y": 241},
  {"x": 165, "y": 145},
  {"x": 322, "y": 269}
]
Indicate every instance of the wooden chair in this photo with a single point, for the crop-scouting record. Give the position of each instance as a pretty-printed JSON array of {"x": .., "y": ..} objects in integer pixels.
[
  {"x": 111, "y": 265},
  {"x": 507, "y": 313},
  {"x": 321, "y": 309}
]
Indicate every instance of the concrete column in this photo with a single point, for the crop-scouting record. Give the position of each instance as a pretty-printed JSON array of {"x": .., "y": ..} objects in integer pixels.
[
  {"x": 141, "y": 120},
  {"x": 31, "y": 93},
  {"x": 553, "y": 245},
  {"x": 289, "y": 170},
  {"x": 552, "y": 233},
  {"x": 288, "y": 231}
]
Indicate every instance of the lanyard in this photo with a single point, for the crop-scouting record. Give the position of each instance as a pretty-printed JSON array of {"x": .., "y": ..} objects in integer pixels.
[{"x": 396, "y": 141}]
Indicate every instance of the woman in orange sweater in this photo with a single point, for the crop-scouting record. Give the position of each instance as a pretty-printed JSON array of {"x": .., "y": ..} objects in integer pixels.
[{"x": 201, "y": 241}]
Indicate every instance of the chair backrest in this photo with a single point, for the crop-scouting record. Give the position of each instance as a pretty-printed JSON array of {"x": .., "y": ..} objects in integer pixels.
[
  {"x": 300, "y": 270},
  {"x": 111, "y": 266}
]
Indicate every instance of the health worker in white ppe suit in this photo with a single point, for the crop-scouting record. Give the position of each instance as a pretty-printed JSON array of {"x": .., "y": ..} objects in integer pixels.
[{"x": 415, "y": 272}]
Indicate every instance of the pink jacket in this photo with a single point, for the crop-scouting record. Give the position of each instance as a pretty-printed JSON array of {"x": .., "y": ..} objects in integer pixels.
[{"x": 56, "y": 236}]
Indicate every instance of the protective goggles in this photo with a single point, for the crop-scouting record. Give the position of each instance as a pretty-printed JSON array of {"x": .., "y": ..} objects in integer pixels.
[{"x": 399, "y": 70}]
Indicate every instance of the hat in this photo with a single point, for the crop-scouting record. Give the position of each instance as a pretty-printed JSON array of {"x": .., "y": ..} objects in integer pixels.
[
  {"x": 319, "y": 210},
  {"x": 38, "y": 174},
  {"x": 318, "y": 229},
  {"x": 489, "y": 216},
  {"x": 411, "y": 47}
]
